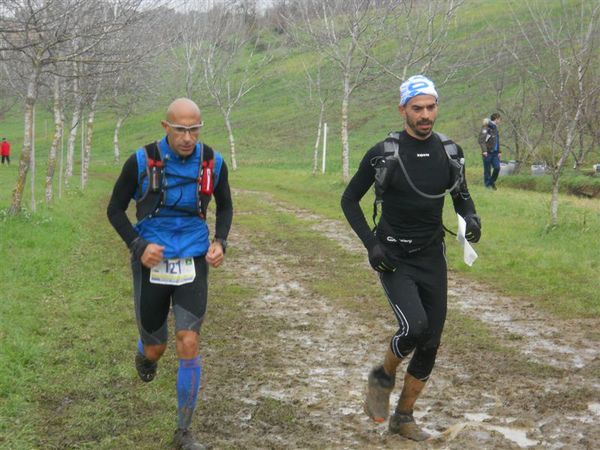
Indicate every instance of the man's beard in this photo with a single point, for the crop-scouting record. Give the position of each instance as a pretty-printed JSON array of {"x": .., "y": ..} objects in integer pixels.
[{"x": 413, "y": 126}]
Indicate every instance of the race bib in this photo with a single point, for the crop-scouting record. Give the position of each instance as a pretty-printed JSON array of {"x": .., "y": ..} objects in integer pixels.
[{"x": 175, "y": 271}]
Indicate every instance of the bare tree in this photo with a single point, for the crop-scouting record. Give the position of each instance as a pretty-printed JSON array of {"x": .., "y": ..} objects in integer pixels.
[
  {"x": 233, "y": 64},
  {"x": 89, "y": 132},
  {"x": 76, "y": 112},
  {"x": 8, "y": 99},
  {"x": 420, "y": 32},
  {"x": 216, "y": 47},
  {"x": 589, "y": 132},
  {"x": 191, "y": 23},
  {"x": 58, "y": 134},
  {"x": 38, "y": 34},
  {"x": 559, "y": 53},
  {"x": 130, "y": 88},
  {"x": 320, "y": 92},
  {"x": 345, "y": 32}
]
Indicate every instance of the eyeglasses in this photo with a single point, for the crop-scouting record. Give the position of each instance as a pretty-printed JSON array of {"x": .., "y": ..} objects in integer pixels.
[{"x": 182, "y": 129}]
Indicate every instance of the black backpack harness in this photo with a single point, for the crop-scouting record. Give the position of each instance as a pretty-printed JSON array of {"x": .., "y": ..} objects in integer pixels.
[
  {"x": 152, "y": 202},
  {"x": 386, "y": 165}
]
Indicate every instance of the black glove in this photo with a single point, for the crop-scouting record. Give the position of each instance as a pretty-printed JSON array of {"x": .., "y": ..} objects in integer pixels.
[
  {"x": 473, "y": 227},
  {"x": 137, "y": 247},
  {"x": 378, "y": 259}
]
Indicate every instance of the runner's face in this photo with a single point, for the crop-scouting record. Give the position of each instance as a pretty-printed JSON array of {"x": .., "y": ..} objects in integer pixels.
[
  {"x": 182, "y": 142},
  {"x": 419, "y": 115}
]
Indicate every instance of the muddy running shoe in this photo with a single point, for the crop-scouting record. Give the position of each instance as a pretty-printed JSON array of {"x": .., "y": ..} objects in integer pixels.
[
  {"x": 405, "y": 425},
  {"x": 185, "y": 440},
  {"x": 377, "y": 403},
  {"x": 146, "y": 369}
]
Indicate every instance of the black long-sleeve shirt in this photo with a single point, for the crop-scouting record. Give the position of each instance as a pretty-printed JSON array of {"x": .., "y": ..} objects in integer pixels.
[
  {"x": 407, "y": 215},
  {"x": 127, "y": 184}
]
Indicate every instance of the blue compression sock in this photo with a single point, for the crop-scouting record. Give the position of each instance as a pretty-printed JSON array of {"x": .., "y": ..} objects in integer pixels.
[
  {"x": 188, "y": 383},
  {"x": 140, "y": 346}
]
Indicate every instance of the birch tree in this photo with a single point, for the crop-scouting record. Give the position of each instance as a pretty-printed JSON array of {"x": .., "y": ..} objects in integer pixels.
[
  {"x": 560, "y": 53},
  {"x": 8, "y": 97},
  {"x": 58, "y": 135},
  {"x": 129, "y": 89},
  {"x": 38, "y": 34},
  {"x": 346, "y": 33},
  {"x": 77, "y": 108},
  {"x": 190, "y": 30},
  {"x": 320, "y": 92},
  {"x": 232, "y": 64},
  {"x": 420, "y": 33}
]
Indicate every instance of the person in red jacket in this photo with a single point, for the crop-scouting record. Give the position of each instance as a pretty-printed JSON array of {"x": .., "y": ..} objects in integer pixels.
[{"x": 5, "y": 150}]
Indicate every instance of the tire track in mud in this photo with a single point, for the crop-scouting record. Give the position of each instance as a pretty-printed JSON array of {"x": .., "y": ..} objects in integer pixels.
[{"x": 470, "y": 402}]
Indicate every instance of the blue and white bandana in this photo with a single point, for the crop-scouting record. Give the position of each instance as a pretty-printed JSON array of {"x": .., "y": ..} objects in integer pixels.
[{"x": 416, "y": 85}]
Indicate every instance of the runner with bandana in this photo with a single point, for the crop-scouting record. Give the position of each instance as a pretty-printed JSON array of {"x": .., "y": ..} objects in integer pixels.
[{"x": 407, "y": 249}]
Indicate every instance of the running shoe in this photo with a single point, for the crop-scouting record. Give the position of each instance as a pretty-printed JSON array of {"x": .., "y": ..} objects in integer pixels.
[
  {"x": 379, "y": 388},
  {"x": 146, "y": 369},
  {"x": 405, "y": 425},
  {"x": 185, "y": 440}
]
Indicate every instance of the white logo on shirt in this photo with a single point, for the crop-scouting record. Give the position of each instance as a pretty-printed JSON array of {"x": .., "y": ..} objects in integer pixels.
[{"x": 422, "y": 155}]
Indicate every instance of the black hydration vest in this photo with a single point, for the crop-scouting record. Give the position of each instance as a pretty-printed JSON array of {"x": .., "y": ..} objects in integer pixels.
[{"x": 388, "y": 163}]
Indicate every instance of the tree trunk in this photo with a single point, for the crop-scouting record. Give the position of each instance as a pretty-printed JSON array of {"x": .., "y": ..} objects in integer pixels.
[
  {"x": 87, "y": 153},
  {"x": 231, "y": 141},
  {"x": 554, "y": 198},
  {"x": 567, "y": 150},
  {"x": 32, "y": 161},
  {"x": 72, "y": 136},
  {"x": 345, "y": 141},
  {"x": 117, "y": 150},
  {"x": 77, "y": 107},
  {"x": 319, "y": 128},
  {"x": 25, "y": 159},
  {"x": 58, "y": 130}
]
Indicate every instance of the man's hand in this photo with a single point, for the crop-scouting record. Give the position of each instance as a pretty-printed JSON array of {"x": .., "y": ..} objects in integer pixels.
[
  {"x": 378, "y": 259},
  {"x": 215, "y": 254},
  {"x": 473, "y": 227},
  {"x": 484, "y": 154},
  {"x": 152, "y": 256}
]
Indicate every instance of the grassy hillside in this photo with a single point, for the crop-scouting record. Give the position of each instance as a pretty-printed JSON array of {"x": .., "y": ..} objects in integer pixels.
[{"x": 275, "y": 132}]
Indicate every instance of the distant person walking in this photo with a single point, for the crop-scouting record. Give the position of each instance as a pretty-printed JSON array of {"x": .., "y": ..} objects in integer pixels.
[
  {"x": 489, "y": 141},
  {"x": 172, "y": 181},
  {"x": 5, "y": 150},
  {"x": 412, "y": 171}
]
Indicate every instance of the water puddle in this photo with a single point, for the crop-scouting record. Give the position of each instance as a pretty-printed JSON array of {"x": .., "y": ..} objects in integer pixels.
[
  {"x": 514, "y": 434},
  {"x": 477, "y": 417},
  {"x": 518, "y": 436}
]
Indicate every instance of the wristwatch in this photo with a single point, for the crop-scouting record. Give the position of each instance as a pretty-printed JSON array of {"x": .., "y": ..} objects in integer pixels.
[{"x": 223, "y": 243}]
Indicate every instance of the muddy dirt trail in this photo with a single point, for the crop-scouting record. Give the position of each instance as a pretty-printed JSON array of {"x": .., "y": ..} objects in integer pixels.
[{"x": 546, "y": 396}]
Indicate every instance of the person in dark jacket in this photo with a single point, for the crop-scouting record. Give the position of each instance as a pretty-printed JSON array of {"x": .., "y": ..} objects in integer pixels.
[
  {"x": 171, "y": 182},
  {"x": 489, "y": 141},
  {"x": 407, "y": 248}
]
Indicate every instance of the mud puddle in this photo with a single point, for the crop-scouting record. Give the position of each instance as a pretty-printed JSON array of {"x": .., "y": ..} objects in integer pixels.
[{"x": 470, "y": 401}]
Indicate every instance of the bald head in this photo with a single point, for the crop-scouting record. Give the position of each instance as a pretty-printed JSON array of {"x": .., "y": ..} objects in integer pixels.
[
  {"x": 182, "y": 125},
  {"x": 182, "y": 107}
]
